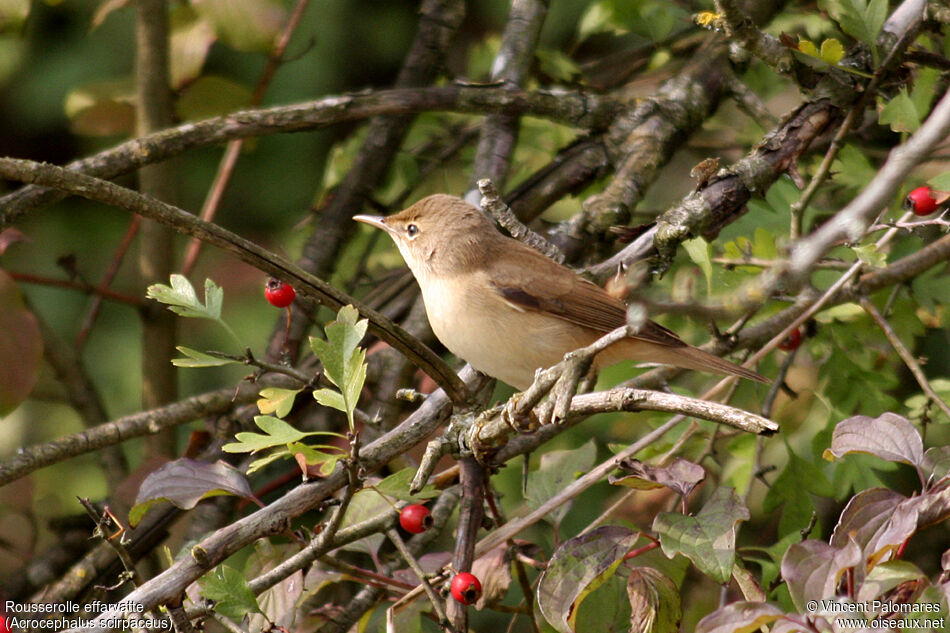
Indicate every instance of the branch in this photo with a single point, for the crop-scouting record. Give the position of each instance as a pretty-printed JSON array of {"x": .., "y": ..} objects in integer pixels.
[
  {"x": 912, "y": 364},
  {"x": 31, "y": 458},
  {"x": 851, "y": 222},
  {"x": 154, "y": 112},
  {"x": 723, "y": 198},
  {"x": 439, "y": 21},
  {"x": 511, "y": 67},
  {"x": 275, "y": 517},
  {"x": 245, "y": 250},
  {"x": 573, "y": 107}
]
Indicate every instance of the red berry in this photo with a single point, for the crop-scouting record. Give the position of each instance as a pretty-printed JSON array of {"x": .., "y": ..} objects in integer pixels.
[
  {"x": 4, "y": 625},
  {"x": 466, "y": 588},
  {"x": 921, "y": 201},
  {"x": 792, "y": 341},
  {"x": 415, "y": 519},
  {"x": 279, "y": 294}
]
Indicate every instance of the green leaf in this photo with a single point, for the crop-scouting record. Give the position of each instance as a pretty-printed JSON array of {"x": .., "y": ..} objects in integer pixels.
[
  {"x": 852, "y": 169},
  {"x": 941, "y": 181},
  {"x": 279, "y": 401},
  {"x": 577, "y": 568},
  {"x": 230, "y": 592},
  {"x": 343, "y": 361},
  {"x": 557, "y": 65},
  {"x": 871, "y": 255},
  {"x": 900, "y": 113},
  {"x": 931, "y": 289},
  {"x": 330, "y": 398},
  {"x": 925, "y": 84},
  {"x": 861, "y": 19},
  {"x": 180, "y": 297},
  {"x": 276, "y": 433},
  {"x": 312, "y": 457},
  {"x": 557, "y": 470},
  {"x": 791, "y": 491},
  {"x": 707, "y": 539},
  {"x": 199, "y": 359},
  {"x": 245, "y": 25},
  {"x": 397, "y": 486},
  {"x": 700, "y": 252},
  {"x": 598, "y": 17}
]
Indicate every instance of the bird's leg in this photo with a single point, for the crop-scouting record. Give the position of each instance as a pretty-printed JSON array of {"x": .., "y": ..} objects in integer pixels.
[{"x": 560, "y": 381}]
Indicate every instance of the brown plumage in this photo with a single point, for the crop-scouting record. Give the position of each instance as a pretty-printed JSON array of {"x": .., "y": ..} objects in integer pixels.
[{"x": 509, "y": 310}]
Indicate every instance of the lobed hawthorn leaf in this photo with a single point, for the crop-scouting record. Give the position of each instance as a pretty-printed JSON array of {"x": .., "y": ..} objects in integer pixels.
[
  {"x": 707, "y": 539},
  {"x": 184, "y": 482},
  {"x": 577, "y": 568},
  {"x": 831, "y": 51},
  {"x": 228, "y": 589},
  {"x": 900, "y": 113},
  {"x": 330, "y": 398},
  {"x": 276, "y": 400},
  {"x": 681, "y": 475},
  {"x": 194, "y": 358},
  {"x": 343, "y": 361},
  {"x": 276, "y": 433},
  {"x": 181, "y": 298},
  {"x": 397, "y": 487},
  {"x": 861, "y": 19}
]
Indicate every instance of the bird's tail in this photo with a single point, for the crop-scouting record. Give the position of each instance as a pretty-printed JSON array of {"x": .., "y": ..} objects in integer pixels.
[{"x": 694, "y": 358}]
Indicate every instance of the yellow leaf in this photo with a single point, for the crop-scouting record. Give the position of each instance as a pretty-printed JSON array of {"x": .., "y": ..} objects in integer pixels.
[
  {"x": 807, "y": 47},
  {"x": 832, "y": 51}
]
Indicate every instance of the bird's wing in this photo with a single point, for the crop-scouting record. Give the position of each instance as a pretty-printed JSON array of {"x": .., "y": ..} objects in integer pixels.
[{"x": 542, "y": 285}]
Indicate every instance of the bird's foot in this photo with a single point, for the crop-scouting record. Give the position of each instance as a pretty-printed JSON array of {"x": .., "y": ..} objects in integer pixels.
[
  {"x": 453, "y": 441},
  {"x": 558, "y": 382}
]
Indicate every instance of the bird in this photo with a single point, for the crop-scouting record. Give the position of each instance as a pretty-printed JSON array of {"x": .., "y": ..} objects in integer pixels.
[{"x": 507, "y": 309}]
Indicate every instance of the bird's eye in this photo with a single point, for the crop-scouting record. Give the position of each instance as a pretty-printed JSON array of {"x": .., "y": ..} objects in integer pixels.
[{"x": 412, "y": 230}]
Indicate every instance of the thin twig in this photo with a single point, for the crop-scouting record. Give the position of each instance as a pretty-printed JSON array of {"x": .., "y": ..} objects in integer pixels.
[
  {"x": 438, "y": 605},
  {"x": 912, "y": 363}
]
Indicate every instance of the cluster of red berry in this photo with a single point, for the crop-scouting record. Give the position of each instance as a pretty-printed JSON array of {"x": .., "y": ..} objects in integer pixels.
[{"x": 465, "y": 587}]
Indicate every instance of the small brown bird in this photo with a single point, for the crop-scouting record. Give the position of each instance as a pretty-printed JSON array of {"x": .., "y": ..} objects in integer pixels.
[{"x": 509, "y": 310}]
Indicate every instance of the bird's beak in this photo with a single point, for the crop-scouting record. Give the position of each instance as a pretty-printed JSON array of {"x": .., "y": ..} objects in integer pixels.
[{"x": 374, "y": 220}]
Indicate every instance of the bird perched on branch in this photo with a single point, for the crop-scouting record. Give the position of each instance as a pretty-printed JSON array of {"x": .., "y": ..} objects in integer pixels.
[{"x": 507, "y": 309}]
